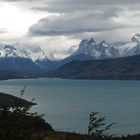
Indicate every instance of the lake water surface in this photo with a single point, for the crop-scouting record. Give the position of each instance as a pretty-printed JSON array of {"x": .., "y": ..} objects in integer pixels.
[{"x": 67, "y": 103}]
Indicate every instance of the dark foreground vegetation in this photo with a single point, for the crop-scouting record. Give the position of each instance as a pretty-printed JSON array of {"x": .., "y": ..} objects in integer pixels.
[
  {"x": 73, "y": 136},
  {"x": 17, "y": 122}
]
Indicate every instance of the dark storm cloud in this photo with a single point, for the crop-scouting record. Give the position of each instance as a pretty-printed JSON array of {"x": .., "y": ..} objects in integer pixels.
[
  {"x": 72, "y": 5},
  {"x": 80, "y": 16},
  {"x": 62, "y": 6},
  {"x": 76, "y": 23}
]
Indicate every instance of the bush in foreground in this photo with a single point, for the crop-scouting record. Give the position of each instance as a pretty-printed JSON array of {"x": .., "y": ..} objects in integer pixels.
[
  {"x": 18, "y": 123},
  {"x": 97, "y": 126}
]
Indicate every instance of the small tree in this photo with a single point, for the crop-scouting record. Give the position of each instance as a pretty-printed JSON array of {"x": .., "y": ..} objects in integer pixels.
[
  {"x": 97, "y": 125},
  {"x": 18, "y": 123}
]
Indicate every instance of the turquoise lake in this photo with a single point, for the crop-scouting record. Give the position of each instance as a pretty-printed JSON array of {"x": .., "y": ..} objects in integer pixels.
[{"x": 68, "y": 103}]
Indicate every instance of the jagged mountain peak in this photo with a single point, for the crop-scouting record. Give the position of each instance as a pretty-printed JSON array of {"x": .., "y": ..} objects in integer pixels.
[
  {"x": 92, "y": 40},
  {"x": 104, "y": 43},
  {"x": 21, "y": 50},
  {"x": 136, "y": 38},
  {"x": 105, "y": 50},
  {"x": 8, "y": 46}
]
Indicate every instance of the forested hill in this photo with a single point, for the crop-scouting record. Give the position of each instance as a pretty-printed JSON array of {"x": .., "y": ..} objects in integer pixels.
[{"x": 118, "y": 68}]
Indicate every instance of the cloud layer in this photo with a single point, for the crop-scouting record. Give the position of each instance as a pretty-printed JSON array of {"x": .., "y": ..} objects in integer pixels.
[
  {"x": 86, "y": 16},
  {"x": 70, "y": 20},
  {"x": 77, "y": 22}
]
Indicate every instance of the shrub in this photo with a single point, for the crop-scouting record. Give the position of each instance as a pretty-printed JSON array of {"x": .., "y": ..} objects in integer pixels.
[
  {"x": 97, "y": 126},
  {"x": 18, "y": 123}
]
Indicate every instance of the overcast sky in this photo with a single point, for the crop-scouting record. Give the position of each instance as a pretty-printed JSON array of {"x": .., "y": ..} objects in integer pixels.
[{"x": 63, "y": 23}]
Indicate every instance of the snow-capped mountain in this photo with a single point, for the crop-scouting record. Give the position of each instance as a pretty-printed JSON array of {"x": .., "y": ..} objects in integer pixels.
[
  {"x": 86, "y": 50},
  {"x": 91, "y": 48},
  {"x": 129, "y": 48},
  {"x": 19, "y": 50},
  {"x": 100, "y": 50},
  {"x": 105, "y": 50},
  {"x": 20, "y": 57}
]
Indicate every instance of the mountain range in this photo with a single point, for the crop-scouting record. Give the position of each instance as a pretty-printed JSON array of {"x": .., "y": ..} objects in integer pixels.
[{"x": 34, "y": 58}]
